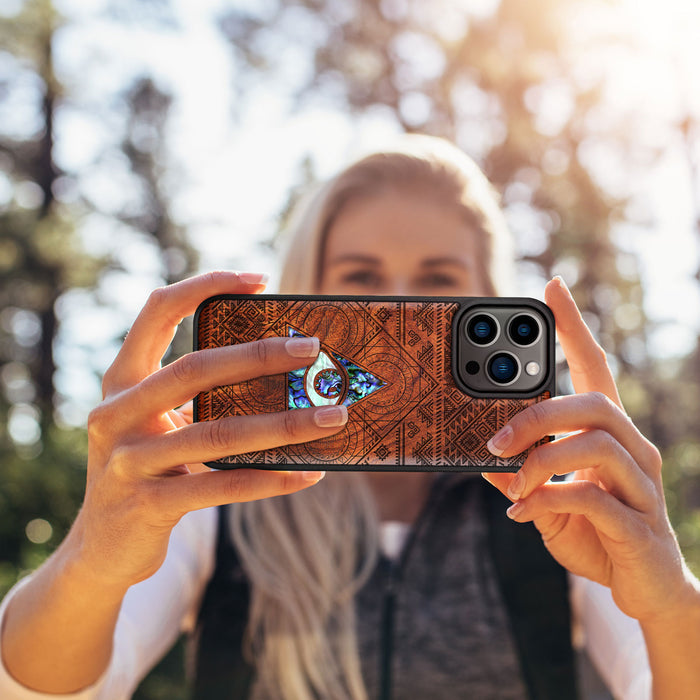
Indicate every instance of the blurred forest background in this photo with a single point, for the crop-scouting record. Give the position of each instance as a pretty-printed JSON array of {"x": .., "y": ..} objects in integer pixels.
[{"x": 584, "y": 113}]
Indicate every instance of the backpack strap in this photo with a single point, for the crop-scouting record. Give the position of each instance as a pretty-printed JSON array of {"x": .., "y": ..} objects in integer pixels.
[
  {"x": 221, "y": 671},
  {"x": 535, "y": 592}
]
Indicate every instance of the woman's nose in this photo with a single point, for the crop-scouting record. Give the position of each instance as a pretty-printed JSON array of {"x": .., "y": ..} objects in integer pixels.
[{"x": 399, "y": 287}]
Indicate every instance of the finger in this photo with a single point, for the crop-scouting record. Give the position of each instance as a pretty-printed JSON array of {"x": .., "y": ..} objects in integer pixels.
[
  {"x": 593, "y": 449},
  {"x": 183, "y": 415},
  {"x": 587, "y": 361},
  {"x": 550, "y": 524},
  {"x": 202, "y": 370},
  {"x": 567, "y": 414},
  {"x": 217, "y": 439},
  {"x": 608, "y": 515},
  {"x": 180, "y": 418},
  {"x": 501, "y": 480},
  {"x": 153, "y": 330},
  {"x": 189, "y": 492}
]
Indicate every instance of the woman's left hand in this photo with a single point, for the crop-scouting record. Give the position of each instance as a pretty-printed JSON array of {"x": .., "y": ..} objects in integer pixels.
[{"x": 609, "y": 523}]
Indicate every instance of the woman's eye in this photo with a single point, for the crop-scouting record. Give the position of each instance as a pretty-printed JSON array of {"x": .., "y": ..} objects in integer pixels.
[
  {"x": 438, "y": 280},
  {"x": 362, "y": 278}
]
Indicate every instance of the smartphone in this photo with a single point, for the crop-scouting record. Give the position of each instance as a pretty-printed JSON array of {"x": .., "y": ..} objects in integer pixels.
[{"x": 427, "y": 380}]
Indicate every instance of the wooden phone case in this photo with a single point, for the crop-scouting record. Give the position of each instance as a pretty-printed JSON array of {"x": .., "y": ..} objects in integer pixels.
[{"x": 389, "y": 360}]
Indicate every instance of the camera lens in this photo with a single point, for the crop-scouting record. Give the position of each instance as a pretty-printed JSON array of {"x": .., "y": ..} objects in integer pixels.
[
  {"x": 524, "y": 330},
  {"x": 503, "y": 368},
  {"x": 482, "y": 329}
]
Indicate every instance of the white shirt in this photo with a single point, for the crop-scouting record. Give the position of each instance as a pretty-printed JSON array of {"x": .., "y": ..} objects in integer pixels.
[{"x": 156, "y": 611}]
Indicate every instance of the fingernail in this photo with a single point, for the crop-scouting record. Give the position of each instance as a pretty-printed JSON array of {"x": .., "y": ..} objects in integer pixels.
[
  {"x": 253, "y": 277},
  {"x": 331, "y": 416},
  {"x": 302, "y": 347},
  {"x": 560, "y": 281},
  {"x": 515, "y": 510},
  {"x": 313, "y": 477},
  {"x": 498, "y": 444},
  {"x": 516, "y": 486}
]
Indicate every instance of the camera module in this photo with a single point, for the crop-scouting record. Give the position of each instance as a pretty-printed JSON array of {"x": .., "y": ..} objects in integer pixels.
[
  {"x": 503, "y": 347},
  {"x": 503, "y": 368},
  {"x": 482, "y": 329},
  {"x": 524, "y": 330}
]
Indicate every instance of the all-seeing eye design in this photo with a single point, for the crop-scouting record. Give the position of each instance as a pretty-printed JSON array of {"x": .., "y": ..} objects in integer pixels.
[{"x": 331, "y": 380}]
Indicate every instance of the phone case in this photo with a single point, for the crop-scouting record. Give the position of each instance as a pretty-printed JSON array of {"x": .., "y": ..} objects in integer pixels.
[{"x": 389, "y": 360}]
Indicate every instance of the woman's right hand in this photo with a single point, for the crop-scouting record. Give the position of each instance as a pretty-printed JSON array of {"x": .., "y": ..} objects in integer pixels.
[{"x": 145, "y": 461}]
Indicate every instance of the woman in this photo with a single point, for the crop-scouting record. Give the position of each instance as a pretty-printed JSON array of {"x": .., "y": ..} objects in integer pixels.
[{"x": 420, "y": 221}]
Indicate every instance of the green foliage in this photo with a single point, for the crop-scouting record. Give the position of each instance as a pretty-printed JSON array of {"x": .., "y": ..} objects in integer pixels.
[
  {"x": 42, "y": 259},
  {"x": 41, "y": 482}
]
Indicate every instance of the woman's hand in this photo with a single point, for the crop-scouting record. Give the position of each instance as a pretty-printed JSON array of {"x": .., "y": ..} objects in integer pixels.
[
  {"x": 609, "y": 523},
  {"x": 144, "y": 473},
  {"x": 145, "y": 458}
]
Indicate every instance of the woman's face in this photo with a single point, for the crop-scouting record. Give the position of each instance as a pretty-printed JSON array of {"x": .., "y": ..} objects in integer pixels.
[{"x": 400, "y": 243}]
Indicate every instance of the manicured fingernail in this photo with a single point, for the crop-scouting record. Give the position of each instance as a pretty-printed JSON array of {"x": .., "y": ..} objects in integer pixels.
[
  {"x": 516, "y": 486},
  {"x": 498, "y": 444},
  {"x": 331, "y": 416},
  {"x": 253, "y": 277},
  {"x": 302, "y": 347},
  {"x": 515, "y": 510},
  {"x": 313, "y": 477}
]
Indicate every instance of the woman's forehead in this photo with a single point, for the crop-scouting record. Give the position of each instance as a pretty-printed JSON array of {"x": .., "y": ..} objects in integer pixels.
[{"x": 394, "y": 223}]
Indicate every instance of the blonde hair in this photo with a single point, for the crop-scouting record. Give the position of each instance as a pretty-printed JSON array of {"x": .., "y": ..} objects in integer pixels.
[{"x": 307, "y": 554}]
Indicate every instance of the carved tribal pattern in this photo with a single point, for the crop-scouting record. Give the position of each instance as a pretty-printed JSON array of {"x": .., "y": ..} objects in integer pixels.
[{"x": 406, "y": 411}]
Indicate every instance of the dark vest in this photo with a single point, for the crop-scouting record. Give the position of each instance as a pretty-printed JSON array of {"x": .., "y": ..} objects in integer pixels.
[{"x": 533, "y": 592}]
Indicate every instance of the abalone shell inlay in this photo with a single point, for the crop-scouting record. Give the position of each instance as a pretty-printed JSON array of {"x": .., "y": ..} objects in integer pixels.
[{"x": 332, "y": 379}]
